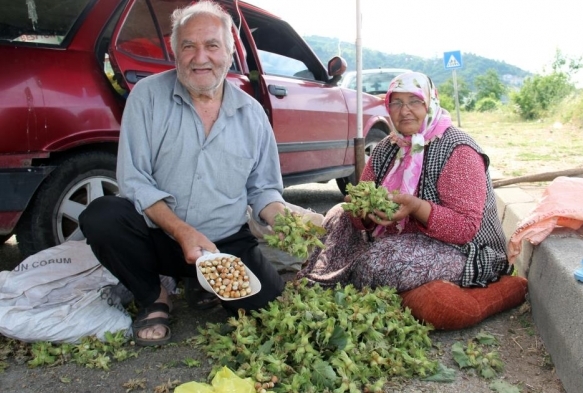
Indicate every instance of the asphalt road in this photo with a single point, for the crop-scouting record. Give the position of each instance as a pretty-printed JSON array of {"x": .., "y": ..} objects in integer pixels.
[{"x": 319, "y": 197}]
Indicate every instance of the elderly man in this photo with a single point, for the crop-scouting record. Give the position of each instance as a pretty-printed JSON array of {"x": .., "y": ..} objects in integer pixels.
[{"x": 194, "y": 151}]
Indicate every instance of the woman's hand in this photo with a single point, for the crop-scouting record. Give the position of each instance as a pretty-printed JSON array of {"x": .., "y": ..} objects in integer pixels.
[
  {"x": 409, "y": 205},
  {"x": 366, "y": 220}
]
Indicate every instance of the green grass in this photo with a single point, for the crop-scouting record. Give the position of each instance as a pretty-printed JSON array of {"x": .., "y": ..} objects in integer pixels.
[{"x": 517, "y": 147}]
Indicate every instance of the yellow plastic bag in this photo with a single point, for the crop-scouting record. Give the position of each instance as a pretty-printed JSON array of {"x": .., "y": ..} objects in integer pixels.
[
  {"x": 194, "y": 387},
  {"x": 224, "y": 381}
]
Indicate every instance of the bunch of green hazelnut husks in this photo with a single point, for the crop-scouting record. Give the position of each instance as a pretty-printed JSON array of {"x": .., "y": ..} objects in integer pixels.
[
  {"x": 366, "y": 197},
  {"x": 294, "y": 234},
  {"x": 323, "y": 340}
]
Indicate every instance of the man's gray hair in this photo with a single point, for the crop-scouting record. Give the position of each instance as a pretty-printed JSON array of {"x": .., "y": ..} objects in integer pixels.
[{"x": 205, "y": 7}]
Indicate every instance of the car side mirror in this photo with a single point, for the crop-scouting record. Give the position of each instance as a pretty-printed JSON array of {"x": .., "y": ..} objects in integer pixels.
[{"x": 336, "y": 68}]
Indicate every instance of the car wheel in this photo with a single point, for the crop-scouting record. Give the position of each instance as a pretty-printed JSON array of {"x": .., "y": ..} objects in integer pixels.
[
  {"x": 52, "y": 216},
  {"x": 374, "y": 136}
]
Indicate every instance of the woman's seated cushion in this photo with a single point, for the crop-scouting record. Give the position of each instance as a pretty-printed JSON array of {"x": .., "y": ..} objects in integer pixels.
[{"x": 448, "y": 306}]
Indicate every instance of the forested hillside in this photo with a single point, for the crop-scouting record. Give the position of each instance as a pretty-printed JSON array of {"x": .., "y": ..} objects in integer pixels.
[{"x": 473, "y": 65}]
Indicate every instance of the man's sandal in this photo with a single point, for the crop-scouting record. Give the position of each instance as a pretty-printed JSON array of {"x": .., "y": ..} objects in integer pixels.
[
  {"x": 198, "y": 298},
  {"x": 141, "y": 322}
]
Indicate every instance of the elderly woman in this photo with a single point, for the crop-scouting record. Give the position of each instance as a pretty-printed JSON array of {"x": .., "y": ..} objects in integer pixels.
[{"x": 447, "y": 226}]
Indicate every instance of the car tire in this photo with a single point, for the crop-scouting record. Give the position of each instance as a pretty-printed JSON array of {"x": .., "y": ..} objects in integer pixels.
[
  {"x": 51, "y": 217},
  {"x": 374, "y": 136}
]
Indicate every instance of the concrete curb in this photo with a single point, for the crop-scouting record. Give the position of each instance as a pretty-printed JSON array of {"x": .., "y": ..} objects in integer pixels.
[
  {"x": 556, "y": 297},
  {"x": 513, "y": 204},
  {"x": 557, "y": 304}
]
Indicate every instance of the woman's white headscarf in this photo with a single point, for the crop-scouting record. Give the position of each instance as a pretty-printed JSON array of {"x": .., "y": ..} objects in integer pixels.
[{"x": 406, "y": 171}]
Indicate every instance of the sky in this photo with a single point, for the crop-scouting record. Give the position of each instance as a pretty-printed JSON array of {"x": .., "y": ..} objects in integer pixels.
[{"x": 522, "y": 33}]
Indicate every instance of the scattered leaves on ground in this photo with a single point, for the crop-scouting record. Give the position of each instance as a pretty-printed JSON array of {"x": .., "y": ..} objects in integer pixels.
[{"x": 474, "y": 355}]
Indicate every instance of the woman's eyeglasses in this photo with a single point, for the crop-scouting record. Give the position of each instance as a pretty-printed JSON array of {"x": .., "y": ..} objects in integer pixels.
[{"x": 397, "y": 105}]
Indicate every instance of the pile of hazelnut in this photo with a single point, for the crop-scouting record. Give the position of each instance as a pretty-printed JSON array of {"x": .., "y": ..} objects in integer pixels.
[{"x": 227, "y": 276}]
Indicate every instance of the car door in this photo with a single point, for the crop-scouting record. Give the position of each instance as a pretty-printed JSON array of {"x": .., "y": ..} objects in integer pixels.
[
  {"x": 140, "y": 44},
  {"x": 309, "y": 116}
]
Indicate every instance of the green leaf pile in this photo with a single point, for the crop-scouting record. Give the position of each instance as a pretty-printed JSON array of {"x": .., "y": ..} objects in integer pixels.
[
  {"x": 366, "y": 197},
  {"x": 90, "y": 352},
  {"x": 473, "y": 355},
  {"x": 315, "y": 339},
  {"x": 501, "y": 386},
  {"x": 295, "y": 235}
]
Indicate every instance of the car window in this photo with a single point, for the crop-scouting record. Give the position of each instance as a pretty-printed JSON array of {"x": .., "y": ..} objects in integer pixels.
[
  {"x": 281, "y": 51},
  {"x": 372, "y": 82},
  {"x": 274, "y": 64},
  {"x": 162, "y": 11},
  {"x": 39, "y": 22},
  {"x": 349, "y": 81},
  {"x": 139, "y": 36},
  {"x": 146, "y": 31},
  {"x": 377, "y": 82}
]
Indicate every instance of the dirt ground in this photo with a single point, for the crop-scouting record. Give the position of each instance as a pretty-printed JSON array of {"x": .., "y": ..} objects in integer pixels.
[{"x": 527, "y": 365}]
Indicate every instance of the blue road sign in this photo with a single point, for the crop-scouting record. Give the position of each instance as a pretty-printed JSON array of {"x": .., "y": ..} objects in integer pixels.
[{"x": 452, "y": 60}]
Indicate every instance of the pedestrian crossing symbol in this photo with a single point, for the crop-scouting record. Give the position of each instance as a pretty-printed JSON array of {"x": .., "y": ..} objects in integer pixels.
[{"x": 452, "y": 60}]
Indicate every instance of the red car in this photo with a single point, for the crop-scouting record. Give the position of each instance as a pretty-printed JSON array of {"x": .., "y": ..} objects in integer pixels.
[{"x": 65, "y": 72}]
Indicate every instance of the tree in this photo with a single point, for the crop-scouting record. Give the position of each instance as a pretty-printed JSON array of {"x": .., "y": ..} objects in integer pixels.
[
  {"x": 487, "y": 104},
  {"x": 446, "y": 89},
  {"x": 540, "y": 93},
  {"x": 566, "y": 65},
  {"x": 446, "y": 102},
  {"x": 489, "y": 85}
]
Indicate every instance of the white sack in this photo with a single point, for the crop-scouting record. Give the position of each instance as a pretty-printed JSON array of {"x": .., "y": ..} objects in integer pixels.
[{"x": 60, "y": 294}]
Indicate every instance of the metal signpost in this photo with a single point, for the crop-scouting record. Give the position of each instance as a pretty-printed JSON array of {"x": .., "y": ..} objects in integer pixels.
[
  {"x": 452, "y": 61},
  {"x": 359, "y": 140}
]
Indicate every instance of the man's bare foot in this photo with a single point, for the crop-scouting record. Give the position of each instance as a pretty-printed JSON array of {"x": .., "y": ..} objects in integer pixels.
[{"x": 152, "y": 324}]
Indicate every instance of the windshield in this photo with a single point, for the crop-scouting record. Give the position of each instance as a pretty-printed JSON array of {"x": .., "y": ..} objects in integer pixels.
[
  {"x": 44, "y": 22},
  {"x": 372, "y": 82}
]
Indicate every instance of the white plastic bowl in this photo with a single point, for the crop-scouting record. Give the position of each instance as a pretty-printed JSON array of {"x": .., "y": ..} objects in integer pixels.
[{"x": 208, "y": 256}]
